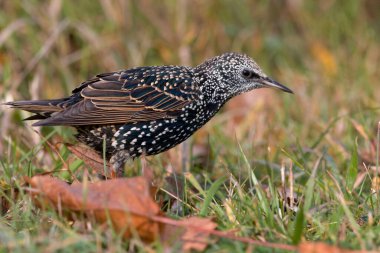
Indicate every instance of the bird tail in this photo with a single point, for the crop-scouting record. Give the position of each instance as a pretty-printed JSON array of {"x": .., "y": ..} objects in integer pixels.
[{"x": 42, "y": 108}]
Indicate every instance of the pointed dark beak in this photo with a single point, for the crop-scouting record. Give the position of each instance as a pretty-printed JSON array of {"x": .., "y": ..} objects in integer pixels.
[{"x": 269, "y": 83}]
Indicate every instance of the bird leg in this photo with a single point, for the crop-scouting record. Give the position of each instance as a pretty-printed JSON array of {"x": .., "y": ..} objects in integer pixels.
[
  {"x": 118, "y": 161},
  {"x": 91, "y": 158}
]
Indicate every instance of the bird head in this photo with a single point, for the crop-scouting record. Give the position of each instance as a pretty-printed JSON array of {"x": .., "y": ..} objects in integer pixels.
[{"x": 235, "y": 74}]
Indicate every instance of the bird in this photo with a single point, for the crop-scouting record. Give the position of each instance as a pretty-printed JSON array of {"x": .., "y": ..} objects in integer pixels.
[{"x": 144, "y": 111}]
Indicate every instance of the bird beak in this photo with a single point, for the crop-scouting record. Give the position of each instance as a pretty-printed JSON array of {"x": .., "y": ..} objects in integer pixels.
[{"x": 269, "y": 83}]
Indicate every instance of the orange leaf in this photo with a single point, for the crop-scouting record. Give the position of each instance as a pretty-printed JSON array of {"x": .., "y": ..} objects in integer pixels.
[
  {"x": 317, "y": 247},
  {"x": 191, "y": 233},
  {"x": 126, "y": 202}
]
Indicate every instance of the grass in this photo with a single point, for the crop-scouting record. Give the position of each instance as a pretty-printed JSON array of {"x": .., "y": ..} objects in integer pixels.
[{"x": 272, "y": 166}]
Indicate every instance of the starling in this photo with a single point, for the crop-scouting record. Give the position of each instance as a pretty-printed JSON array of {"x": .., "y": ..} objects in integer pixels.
[{"x": 148, "y": 110}]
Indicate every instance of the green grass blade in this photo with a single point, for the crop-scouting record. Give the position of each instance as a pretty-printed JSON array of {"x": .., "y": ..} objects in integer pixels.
[
  {"x": 298, "y": 225},
  {"x": 210, "y": 195},
  {"x": 194, "y": 182}
]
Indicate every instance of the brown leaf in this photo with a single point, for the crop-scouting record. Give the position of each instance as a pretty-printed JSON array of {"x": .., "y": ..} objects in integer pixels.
[
  {"x": 126, "y": 202},
  {"x": 317, "y": 247},
  {"x": 193, "y": 238},
  {"x": 191, "y": 233}
]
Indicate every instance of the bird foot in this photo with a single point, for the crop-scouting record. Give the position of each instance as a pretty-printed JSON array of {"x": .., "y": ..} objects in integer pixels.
[{"x": 118, "y": 161}]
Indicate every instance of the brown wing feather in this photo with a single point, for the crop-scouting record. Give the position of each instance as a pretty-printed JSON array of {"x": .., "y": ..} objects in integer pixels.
[{"x": 128, "y": 96}]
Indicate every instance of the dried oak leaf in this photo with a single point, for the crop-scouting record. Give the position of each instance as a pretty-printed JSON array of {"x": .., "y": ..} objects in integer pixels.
[
  {"x": 126, "y": 202},
  {"x": 191, "y": 233}
]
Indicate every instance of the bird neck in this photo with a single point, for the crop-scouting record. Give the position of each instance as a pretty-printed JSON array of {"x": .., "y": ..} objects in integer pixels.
[{"x": 213, "y": 89}]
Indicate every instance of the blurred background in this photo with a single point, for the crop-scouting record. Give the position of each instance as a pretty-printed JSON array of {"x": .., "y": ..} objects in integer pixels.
[{"x": 327, "y": 52}]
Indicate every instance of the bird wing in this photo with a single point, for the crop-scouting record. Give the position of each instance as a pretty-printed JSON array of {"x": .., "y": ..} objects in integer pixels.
[{"x": 140, "y": 94}]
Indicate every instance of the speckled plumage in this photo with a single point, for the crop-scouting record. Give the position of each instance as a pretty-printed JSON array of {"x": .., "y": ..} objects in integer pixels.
[{"x": 147, "y": 110}]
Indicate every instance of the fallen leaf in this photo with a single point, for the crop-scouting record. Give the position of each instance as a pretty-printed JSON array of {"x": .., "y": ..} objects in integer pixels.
[
  {"x": 193, "y": 238},
  {"x": 128, "y": 205},
  {"x": 126, "y": 202},
  {"x": 190, "y": 233},
  {"x": 317, "y": 247}
]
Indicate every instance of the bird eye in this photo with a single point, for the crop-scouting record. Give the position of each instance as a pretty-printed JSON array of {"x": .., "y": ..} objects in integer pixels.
[{"x": 249, "y": 74}]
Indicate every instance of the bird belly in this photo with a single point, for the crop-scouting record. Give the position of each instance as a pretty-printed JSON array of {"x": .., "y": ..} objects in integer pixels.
[
  {"x": 98, "y": 137},
  {"x": 153, "y": 137}
]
